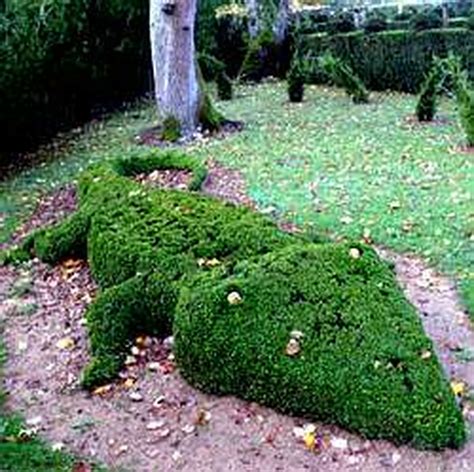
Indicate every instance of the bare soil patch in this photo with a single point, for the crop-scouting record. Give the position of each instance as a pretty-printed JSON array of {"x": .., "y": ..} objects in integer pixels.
[{"x": 150, "y": 419}]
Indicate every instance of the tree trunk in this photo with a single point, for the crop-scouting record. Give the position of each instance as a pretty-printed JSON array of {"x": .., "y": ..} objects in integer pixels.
[
  {"x": 177, "y": 89},
  {"x": 280, "y": 28},
  {"x": 254, "y": 23}
]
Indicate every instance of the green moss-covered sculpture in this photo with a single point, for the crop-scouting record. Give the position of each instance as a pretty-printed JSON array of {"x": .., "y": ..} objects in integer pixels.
[{"x": 320, "y": 330}]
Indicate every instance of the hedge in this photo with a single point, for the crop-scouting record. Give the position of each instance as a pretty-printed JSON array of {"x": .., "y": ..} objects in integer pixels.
[
  {"x": 395, "y": 60},
  {"x": 363, "y": 360},
  {"x": 324, "y": 332},
  {"x": 63, "y": 61}
]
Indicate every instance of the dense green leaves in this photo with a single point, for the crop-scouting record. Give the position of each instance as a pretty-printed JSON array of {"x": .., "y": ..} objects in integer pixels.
[
  {"x": 358, "y": 353},
  {"x": 396, "y": 60}
]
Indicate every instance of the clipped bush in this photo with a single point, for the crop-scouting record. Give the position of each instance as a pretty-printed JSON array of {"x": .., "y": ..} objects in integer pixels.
[
  {"x": 376, "y": 23},
  {"x": 314, "y": 331},
  {"x": 427, "y": 20},
  {"x": 393, "y": 60},
  {"x": 260, "y": 59},
  {"x": 342, "y": 23},
  {"x": 295, "y": 82},
  {"x": 255, "y": 311},
  {"x": 427, "y": 101},
  {"x": 343, "y": 76},
  {"x": 129, "y": 233},
  {"x": 470, "y": 22},
  {"x": 465, "y": 99},
  {"x": 104, "y": 60}
]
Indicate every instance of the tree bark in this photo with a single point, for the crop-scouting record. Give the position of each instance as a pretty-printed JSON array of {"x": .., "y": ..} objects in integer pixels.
[
  {"x": 254, "y": 23},
  {"x": 177, "y": 89},
  {"x": 280, "y": 28}
]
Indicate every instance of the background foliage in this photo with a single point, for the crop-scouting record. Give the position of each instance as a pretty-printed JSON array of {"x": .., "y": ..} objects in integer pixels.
[
  {"x": 396, "y": 60},
  {"x": 61, "y": 60}
]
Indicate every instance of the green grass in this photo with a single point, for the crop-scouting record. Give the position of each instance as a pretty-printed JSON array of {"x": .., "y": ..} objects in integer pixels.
[{"x": 327, "y": 163}]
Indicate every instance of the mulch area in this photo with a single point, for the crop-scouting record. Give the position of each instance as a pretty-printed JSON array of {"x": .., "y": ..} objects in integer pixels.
[{"x": 151, "y": 419}]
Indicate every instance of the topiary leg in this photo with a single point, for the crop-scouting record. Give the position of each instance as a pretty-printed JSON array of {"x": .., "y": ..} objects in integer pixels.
[
  {"x": 69, "y": 238},
  {"x": 143, "y": 304}
]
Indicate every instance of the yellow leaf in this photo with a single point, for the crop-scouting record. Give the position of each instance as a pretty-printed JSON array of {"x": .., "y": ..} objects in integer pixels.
[
  {"x": 65, "y": 343},
  {"x": 102, "y": 390},
  {"x": 129, "y": 383},
  {"x": 458, "y": 388},
  {"x": 310, "y": 440}
]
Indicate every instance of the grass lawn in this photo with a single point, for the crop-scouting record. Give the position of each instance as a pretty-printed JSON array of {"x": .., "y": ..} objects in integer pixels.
[{"x": 343, "y": 169}]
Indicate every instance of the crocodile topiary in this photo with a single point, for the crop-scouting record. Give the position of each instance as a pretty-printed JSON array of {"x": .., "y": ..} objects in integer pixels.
[{"x": 320, "y": 330}]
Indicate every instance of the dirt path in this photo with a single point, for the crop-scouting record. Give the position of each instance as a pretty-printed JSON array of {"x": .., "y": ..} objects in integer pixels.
[{"x": 151, "y": 420}]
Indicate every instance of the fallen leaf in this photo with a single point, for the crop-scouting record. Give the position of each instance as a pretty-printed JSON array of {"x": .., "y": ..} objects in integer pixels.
[
  {"x": 309, "y": 440},
  {"x": 234, "y": 298},
  {"x": 65, "y": 343},
  {"x": 293, "y": 348},
  {"x": 129, "y": 383},
  {"x": 426, "y": 354},
  {"x": 102, "y": 390},
  {"x": 458, "y": 388},
  {"x": 354, "y": 253},
  {"x": 203, "y": 417}
]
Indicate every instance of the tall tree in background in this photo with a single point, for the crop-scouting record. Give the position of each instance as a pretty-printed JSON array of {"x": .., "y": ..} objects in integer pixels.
[
  {"x": 178, "y": 89},
  {"x": 280, "y": 27},
  {"x": 254, "y": 19}
]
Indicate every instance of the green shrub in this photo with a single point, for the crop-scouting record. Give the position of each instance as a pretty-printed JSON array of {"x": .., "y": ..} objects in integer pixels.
[
  {"x": 343, "y": 76},
  {"x": 360, "y": 354},
  {"x": 224, "y": 86},
  {"x": 259, "y": 61},
  {"x": 395, "y": 60},
  {"x": 376, "y": 23},
  {"x": 470, "y": 22},
  {"x": 465, "y": 98},
  {"x": 104, "y": 60},
  {"x": 430, "y": 90},
  {"x": 129, "y": 232},
  {"x": 295, "y": 80},
  {"x": 342, "y": 23},
  {"x": 141, "y": 305},
  {"x": 458, "y": 23},
  {"x": 427, "y": 20},
  {"x": 171, "y": 129},
  {"x": 362, "y": 346}
]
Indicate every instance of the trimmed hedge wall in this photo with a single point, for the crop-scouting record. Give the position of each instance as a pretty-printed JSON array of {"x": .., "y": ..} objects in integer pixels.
[
  {"x": 395, "y": 60},
  {"x": 63, "y": 60}
]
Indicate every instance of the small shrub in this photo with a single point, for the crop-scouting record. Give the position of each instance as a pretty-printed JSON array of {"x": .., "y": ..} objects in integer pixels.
[
  {"x": 376, "y": 23},
  {"x": 295, "y": 80},
  {"x": 465, "y": 99},
  {"x": 470, "y": 22},
  {"x": 358, "y": 345},
  {"x": 224, "y": 86},
  {"x": 342, "y": 23},
  {"x": 259, "y": 61},
  {"x": 427, "y": 101},
  {"x": 427, "y": 20},
  {"x": 343, "y": 76},
  {"x": 171, "y": 129}
]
